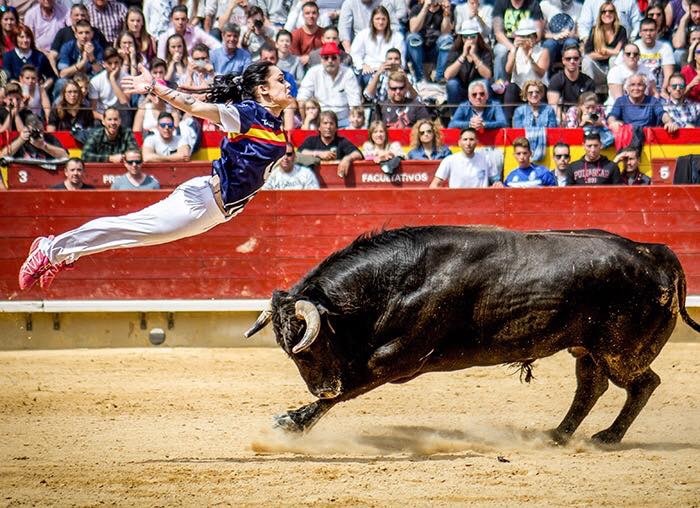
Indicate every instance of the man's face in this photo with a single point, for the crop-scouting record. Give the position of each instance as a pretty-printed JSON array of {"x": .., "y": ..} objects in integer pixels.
[
  {"x": 695, "y": 14},
  {"x": 111, "y": 122},
  {"x": 166, "y": 127},
  {"x": 571, "y": 58},
  {"x": 477, "y": 97},
  {"x": 632, "y": 163},
  {"x": 397, "y": 91},
  {"x": 592, "y": 148},
  {"x": 74, "y": 173},
  {"x": 327, "y": 128},
  {"x": 179, "y": 21},
  {"x": 283, "y": 43},
  {"x": 635, "y": 87},
  {"x": 133, "y": 163},
  {"x": 77, "y": 14},
  {"x": 631, "y": 56},
  {"x": 287, "y": 160},
  {"x": 467, "y": 142},
  {"x": 310, "y": 16},
  {"x": 158, "y": 72},
  {"x": 200, "y": 59},
  {"x": 231, "y": 41},
  {"x": 113, "y": 63},
  {"x": 676, "y": 88},
  {"x": 562, "y": 156},
  {"x": 331, "y": 63},
  {"x": 268, "y": 56},
  {"x": 648, "y": 34},
  {"x": 330, "y": 36},
  {"x": 83, "y": 35},
  {"x": 522, "y": 156},
  {"x": 394, "y": 59},
  {"x": 28, "y": 78}
]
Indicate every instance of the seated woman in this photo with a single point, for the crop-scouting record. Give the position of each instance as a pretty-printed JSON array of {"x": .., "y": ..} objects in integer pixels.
[
  {"x": 136, "y": 25},
  {"x": 371, "y": 44},
  {"x": 607, "y": 39},
  {"x": 71, "y": 112},
  {"x": 470, "y": 59},
  {"x": 426, "y": 142},
  {"x": 535, "y": 113},
  {"x": 657, "y": 12},
  {"x": 26, "y": 53},
  {"x": 176, "y": 58},
  {"x": 691, "y": 73},
  {"x": 378, "y": 148}
]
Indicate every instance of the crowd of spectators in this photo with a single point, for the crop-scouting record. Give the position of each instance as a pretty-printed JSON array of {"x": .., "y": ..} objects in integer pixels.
[{"x": 600, "y": 65}]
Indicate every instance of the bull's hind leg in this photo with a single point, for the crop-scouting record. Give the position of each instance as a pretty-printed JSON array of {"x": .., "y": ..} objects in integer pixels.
[
  {"x": 638, "y": 392},
  {"x": 591, "y": 384}
]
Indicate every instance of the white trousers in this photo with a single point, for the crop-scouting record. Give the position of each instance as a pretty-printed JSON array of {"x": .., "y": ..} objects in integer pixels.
[{"x": 190, "y": 210}]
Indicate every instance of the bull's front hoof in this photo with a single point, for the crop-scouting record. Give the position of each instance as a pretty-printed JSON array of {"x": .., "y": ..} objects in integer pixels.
[
  {"x": 606, "y": 437},
  {"x": 285, "y": 421},
  {"x": 558, "y": 438}
]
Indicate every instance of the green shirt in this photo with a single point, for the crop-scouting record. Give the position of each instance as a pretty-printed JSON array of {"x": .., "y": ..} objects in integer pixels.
[{"x": 98, "y": 147}]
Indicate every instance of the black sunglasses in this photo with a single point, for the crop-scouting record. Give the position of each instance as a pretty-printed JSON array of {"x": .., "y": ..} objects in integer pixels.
[
  {"x": 134, "y": 162},
  {"x": 289, "y": 154},
  {"x": 561, "y": 156}
]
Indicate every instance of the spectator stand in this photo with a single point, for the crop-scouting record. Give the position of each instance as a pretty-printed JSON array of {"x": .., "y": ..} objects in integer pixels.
[{"x": 658, "y": 159}]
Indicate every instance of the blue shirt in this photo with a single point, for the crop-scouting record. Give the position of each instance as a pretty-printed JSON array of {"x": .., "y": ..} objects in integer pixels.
[
  {"x": 418, "y": 154},
  {"x": 493, "y": 115},
  {"x": 531, "y": 176},
  {"x": 523, "y": 117},
  {"x": 647, "y": 114},
  {"x": 230, "y": 64},
  {"x": 254, "y": 143},
  {"x": 70, "y": 54}
]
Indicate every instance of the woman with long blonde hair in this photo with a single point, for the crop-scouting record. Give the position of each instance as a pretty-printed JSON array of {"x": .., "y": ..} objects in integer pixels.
[
  {"x": 426, "y": 141},
  {"x": 608, "y": 38}
]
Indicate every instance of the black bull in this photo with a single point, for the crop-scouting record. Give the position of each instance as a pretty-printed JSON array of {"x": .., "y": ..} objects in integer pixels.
[{"x": 401, "y": 303}]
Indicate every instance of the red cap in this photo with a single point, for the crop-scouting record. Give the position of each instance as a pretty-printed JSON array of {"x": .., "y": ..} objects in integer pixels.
[{"x": 330, "y": 48}]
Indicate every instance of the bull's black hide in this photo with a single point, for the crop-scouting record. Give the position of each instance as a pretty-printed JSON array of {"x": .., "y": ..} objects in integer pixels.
[{"x": 395, "y": 305}]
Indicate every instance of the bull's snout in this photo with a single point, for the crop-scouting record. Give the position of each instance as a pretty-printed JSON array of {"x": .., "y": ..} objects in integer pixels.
[{"x": 328, "y": 391}]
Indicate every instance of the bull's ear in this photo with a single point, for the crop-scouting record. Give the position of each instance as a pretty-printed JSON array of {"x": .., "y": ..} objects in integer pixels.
[{"x": 325, "y": 313}]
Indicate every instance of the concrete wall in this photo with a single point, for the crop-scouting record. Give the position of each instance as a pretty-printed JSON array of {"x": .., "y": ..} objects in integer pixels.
[{"x": 195, "y": 329}]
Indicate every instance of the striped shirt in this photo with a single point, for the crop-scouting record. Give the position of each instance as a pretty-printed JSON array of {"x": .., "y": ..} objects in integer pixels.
[
  {"x": 254, "y": 143},
  {"x": 109, "y": 20}
]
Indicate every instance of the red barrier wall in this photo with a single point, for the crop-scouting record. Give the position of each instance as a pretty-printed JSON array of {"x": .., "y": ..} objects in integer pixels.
[{"x": 281, "y": 235}]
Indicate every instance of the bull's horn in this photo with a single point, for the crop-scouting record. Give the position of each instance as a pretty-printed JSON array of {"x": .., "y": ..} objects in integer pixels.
[
  {"x": 309, "y": 313},
  {"x": 262, "y": 322}
]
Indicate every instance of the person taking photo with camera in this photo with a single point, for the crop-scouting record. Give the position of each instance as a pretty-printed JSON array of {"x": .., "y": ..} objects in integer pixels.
[{"x": 34, "y": 143}]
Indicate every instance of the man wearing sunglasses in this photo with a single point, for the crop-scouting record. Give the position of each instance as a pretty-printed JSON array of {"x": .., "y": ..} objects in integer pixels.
[
  {"x": 567, "y": 85},
  {"x": 683, "y": 112},
  {"x": 134, "y": 178},
  {"x": 165, "y": 145},
  {"x": 286, "y": 175}
]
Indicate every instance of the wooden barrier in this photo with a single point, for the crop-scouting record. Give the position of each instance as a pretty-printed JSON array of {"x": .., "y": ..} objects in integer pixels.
[{"x": 282, "y": 234}]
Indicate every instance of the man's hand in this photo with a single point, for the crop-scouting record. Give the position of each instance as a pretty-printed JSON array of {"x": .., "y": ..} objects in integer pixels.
[
  {"x": 326, "y": 155},
  {"x": 343, "y": 168},
  {"x": 671, "y": 127},
  {"x": 117, "y": 157}
]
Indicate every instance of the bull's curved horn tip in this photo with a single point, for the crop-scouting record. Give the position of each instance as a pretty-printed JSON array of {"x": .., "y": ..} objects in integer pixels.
[{"x": 262, "y": 321}]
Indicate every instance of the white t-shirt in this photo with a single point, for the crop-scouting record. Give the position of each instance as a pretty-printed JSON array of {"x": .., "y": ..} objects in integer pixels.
[
  {"x": 161, "y": 147},
  {"x": 300, "y": 177},
  {"x": 653, "y": 59},
  {"x": 101, "y": 90},
  {"x": 461, "y": 171},
  {"x": 618, "y": 74}
]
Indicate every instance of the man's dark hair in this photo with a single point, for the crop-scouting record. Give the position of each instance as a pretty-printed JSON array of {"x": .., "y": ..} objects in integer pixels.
[
  {"x": 83, "y": 23},
  {"x": 561, "y": 144},
  {"x": 397, "y": 51},
  {"x": 111, "y": 52},
  {"x": 158, "y": 62},
  {"x": 166, "y": 114},
  {"x": 591, "y": 135},
  {"x": 78, "y": 160},
  {"x": 268, "y": 46},
  {"x": 467, "y": 129},
  {"x": 647, "y": 21},
  {"x": 201, "y": 47},
  {"x": 28, "y": 67},
  {"x": 179, "y": 8},
  {"x": 283, "y": 32},
  {"x": 329, "y": 114},
  {"x": 310, "y": 3}
]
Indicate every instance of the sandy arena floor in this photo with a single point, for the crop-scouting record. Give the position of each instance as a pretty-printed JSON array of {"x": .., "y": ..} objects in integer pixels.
[{"x": 192, "y": 427}]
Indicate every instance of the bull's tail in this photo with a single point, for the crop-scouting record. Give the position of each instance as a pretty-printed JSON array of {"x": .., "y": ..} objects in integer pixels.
[{"x": 681, "y": 303}]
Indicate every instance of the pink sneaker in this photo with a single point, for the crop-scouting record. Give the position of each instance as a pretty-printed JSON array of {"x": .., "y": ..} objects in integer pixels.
[
  {"x": 50, "y": 274},
  {"x": 34, "y": 266}
]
